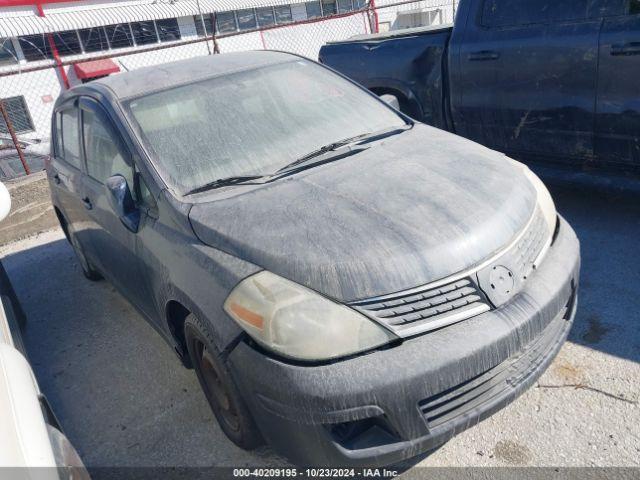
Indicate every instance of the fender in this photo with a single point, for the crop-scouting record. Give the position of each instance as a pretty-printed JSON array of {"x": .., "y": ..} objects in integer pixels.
[{"x": 409, "y": 101}]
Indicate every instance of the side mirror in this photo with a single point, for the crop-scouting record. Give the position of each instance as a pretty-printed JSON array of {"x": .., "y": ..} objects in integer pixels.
[
  {"x": 122, "y": 203},
  {"x": 390, "y": 100}
]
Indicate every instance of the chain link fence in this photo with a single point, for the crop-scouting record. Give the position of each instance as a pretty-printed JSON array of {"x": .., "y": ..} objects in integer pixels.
[{"x": 37, "y": 67}]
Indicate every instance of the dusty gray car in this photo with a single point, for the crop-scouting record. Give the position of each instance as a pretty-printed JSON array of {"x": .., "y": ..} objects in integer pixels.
[{"x": 351, "y": 286}]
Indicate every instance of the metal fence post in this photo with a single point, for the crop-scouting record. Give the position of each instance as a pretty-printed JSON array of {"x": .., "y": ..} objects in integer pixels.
[
  {"x": 12, "y": 132},
  {"x": 373, "y": 17},
  {"x": 214, "y": 27},
  {"x": 204, "y": 27}
]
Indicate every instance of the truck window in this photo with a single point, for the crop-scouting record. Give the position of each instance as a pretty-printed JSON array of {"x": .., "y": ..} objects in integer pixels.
[
  {"x": 507, "y": 13},
  {"x": 634, "y": 7}
]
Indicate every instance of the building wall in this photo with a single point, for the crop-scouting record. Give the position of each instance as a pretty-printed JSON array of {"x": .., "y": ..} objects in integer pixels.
[
  {"x": 440, "y": 12},
  {"x": 40, "y": 88}
]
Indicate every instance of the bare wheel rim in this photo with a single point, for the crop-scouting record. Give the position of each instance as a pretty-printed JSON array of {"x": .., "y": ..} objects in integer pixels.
[{"x": 212, "y": 378}]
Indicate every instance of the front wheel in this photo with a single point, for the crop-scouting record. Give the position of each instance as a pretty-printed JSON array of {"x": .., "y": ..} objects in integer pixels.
[
  {"x": 87, "y": 270},
  {"x": 218, "y": 386}
]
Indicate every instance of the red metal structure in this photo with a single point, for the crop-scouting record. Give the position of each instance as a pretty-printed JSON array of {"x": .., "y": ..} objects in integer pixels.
[
  {"x": 95, "y": 68},
  {"x": 26, "y": 3}
]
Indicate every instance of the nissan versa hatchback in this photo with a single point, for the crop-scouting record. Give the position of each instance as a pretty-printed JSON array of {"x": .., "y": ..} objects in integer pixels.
[{"x": 349, "y": 285}]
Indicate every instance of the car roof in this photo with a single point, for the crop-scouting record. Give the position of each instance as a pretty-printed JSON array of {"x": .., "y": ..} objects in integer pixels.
[{"x": 159, "y": 77}]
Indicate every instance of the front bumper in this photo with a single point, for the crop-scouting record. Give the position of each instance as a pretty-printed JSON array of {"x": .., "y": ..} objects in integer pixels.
[{"x": 390, "y": 405}]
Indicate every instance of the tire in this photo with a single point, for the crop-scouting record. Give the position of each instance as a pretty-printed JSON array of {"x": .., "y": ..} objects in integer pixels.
[
  {"x": 87, "y": 270},
  {"x": 223, "y": 396}
]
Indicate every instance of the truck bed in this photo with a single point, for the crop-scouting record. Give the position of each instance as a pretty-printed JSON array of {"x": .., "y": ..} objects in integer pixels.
[
  {"x": 406, "y": 32},
  {"x": 410, "y": 64}
]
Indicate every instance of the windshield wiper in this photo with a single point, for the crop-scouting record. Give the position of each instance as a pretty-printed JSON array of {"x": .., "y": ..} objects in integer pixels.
[
  {"x": 322, "y": 150},
  {"x": 368, "y": 136},
  {"x": 223, "y": 182}
]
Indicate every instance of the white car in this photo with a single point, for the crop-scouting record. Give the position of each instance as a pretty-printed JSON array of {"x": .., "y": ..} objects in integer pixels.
[{"x": 30, "y": 435}]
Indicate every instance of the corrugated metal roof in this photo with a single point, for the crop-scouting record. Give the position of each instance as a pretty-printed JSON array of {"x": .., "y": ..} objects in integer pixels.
[{"x": 92, "y": 16}]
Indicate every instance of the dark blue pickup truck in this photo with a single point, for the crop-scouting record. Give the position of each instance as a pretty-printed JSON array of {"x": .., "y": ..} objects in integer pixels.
[{"x": 552, "y": 80}]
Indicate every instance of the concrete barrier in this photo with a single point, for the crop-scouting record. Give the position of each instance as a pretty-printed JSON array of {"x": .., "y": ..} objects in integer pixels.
[{"x": 31, "y": 209}]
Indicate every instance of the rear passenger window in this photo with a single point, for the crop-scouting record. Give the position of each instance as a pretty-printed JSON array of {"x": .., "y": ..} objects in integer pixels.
[
  {"x": 105, "y": 153},
  {"x": 57, "y": 144},
  {"x": 504, "y": 13},
  {"x": 70, "y": 137}
]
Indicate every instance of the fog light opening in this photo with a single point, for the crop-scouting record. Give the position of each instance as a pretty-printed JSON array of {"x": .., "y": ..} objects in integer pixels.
[{"x": 365, "y": 433}]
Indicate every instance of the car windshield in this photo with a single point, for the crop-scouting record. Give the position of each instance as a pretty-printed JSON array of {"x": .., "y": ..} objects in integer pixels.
[{"x": 251, "y": 122}]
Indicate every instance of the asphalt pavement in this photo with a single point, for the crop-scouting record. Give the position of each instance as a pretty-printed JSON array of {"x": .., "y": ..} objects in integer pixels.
[{"x": 124, "y": 399}]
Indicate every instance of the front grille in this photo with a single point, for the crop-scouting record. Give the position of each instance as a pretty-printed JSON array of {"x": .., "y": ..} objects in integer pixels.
[
  {"x": 530, "y": 245},
  {"x": 437, "y": 305},
  {"x": 481, "y": 389},
  {"x": 517, "y": 262},
  {"x": 419, "y": 310}
]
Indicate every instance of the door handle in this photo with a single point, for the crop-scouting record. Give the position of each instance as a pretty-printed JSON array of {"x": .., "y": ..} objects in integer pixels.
[
  {"x": 86, "y": 201},
  {"x": 483, "y": 55},
  {"x": 56, "y": 178},
  {"x": 630, "y": 48}
]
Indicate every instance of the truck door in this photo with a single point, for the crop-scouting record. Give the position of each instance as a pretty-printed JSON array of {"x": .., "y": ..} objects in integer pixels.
[
  {"x": 617, "y": 141},
  {"x": 525, "y": 80}
]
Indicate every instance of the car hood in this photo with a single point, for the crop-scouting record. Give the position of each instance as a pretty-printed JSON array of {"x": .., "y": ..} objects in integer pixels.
[{"x": 412, "y": 209}]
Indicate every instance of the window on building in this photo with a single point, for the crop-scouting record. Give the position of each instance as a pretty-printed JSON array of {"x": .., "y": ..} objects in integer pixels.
[
  {"x": 168, "y": 29},
  {"x": 18, "y": 114},
  {"x": 329, "y": 7},
  {"x": 67, "y": 42},
  {"x": 70, "y": 137},
  {"x": 246, "y": 19},
  {"x": 226, "y": 22},
  {"x": 208, "y": 24},
  {"x": 144, "y": 33},
  {"x": 344, "y": 6},
  {"x": 313, "y": 9},
  {"x": 503, "y": 13},
  {"x": 93, "y": 39},
  {"x": 35, "y": 47},
  {"x": 359, "y": 4},
  {"x": 105, "y": 153},
  {"x": 119, "y": 35},
  {"x": 7, "y": 52},
  {"x": 283, "y": 14},
  {"x": 265, "y": 16}
]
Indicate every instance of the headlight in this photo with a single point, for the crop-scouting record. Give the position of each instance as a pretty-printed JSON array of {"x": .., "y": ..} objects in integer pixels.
[
  {"x": 298, "y": 323},
  {"x": 545, "y": 202}
]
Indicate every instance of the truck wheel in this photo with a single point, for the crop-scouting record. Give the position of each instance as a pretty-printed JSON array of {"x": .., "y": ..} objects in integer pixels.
[
  {"x": 215, "y": 379},
  {"x": 87, "y": 270}
]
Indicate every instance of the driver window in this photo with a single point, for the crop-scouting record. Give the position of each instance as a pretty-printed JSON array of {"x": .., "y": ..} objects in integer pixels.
[{"x": 105, "y": 152}]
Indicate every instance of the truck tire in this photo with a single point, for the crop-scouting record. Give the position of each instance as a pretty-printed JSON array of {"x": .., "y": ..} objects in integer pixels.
[{"x": 223, "y": 396}]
